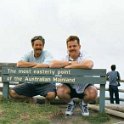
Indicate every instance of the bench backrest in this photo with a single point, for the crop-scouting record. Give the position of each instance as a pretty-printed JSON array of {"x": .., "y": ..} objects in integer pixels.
[
  {"x": 6, "y": 65},
  {"x": 42, "y": 75}
]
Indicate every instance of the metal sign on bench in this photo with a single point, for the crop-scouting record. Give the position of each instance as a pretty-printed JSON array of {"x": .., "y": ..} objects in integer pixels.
[{"x": 62, "y": 75}]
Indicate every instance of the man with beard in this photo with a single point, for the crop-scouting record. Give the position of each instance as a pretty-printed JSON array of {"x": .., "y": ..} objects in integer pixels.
[
  {"x": 37, "y": 58},
  {"x": 85, "y": 92}
]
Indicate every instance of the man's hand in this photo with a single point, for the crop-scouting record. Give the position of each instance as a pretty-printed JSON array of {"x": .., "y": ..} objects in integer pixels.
[
  {"x": 40, "y": 65},
  {"x": 55, "y": 64},
  {"x": 58, "y": 64},
  {"x": 72, "y": 65}
]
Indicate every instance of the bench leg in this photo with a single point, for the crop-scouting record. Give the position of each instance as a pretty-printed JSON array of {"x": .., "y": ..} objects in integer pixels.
[
  {"x": 6, "y": 90},
  {"x": 102, "y": 98}
]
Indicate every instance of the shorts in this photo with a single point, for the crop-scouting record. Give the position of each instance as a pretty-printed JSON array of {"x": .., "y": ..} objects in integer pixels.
[
  {"x": 33, "y": 89},
  {"x": 75, "y": 94}
]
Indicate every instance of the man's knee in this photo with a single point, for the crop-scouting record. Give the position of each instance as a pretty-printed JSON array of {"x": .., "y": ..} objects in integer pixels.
[
  {"x": 63, "y": 92},
  {"x": 13, "y": 94},
  {"x": 90, "y": 93},
  {"x": 51, "y": 96}
]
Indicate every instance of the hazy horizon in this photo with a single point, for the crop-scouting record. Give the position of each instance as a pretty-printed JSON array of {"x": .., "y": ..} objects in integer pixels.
[{"x": 98, "y": 23}]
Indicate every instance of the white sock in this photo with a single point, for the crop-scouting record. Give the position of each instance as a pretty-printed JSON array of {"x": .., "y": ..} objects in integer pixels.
[
  {"x": 84, "y": 103},
  {"x": 71, "y": 102}
]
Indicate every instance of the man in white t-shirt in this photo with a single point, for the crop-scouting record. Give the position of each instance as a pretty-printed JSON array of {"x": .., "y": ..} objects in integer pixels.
[{"x": 85, "y": 92}]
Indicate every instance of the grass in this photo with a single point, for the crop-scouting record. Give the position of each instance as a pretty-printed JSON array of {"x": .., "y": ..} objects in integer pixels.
[
  {"x": 98, "y": 118},
  {"x": 13, "y": 112}
]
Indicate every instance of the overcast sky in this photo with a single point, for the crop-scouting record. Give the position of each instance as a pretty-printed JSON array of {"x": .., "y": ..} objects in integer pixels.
[{"x": 98, "y": 23}]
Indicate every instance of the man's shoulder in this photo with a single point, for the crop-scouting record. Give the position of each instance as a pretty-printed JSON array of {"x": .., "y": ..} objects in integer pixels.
[
  {"x": 84, "y": 53},
  {"x": 29, "y": 53},
  {"x": 85, "y": 56},
  {"x": 46, "y": 52}
]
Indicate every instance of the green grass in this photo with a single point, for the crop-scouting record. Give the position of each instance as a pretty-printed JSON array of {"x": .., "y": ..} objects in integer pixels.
[
  {"x": 12, "y": 112},
  {"x": 98, "y": 118},
  {"x": 15, "y": 112}
]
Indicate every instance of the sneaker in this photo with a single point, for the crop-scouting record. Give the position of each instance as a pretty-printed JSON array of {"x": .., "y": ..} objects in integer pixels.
[
  {"x": 84, "y": 109},
  {"x": 70, "y": 108}
]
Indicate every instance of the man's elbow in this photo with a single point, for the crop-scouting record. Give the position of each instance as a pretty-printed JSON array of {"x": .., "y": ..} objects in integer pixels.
[
  {"x": 19, "y": 64},
  {"x": 90, "y": 65}
]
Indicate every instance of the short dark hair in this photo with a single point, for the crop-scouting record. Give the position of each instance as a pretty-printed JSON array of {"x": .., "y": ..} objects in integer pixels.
[
  {"x": 72, "y": 38},
  {"x": 37, "y": 38},
  {"x": 113, "y": 67}
]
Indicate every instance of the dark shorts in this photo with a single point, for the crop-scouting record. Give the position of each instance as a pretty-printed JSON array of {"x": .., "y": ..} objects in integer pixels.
[
  {"x": 30, "y": 89},
  {"x": 74, "y": 94}
]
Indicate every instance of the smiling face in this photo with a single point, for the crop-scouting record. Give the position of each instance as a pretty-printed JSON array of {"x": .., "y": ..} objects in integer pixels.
[
  {"x": 73, "y": 48},
  {"x": 38, "y": 46}
]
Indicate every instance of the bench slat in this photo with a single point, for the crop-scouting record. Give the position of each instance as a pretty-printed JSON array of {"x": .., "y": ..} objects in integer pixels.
[
  {"x": 46, "y": 79},
  {"x": 53, "y": 71}
]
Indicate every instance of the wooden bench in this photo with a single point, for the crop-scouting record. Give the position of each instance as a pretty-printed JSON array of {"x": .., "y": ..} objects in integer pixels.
[{"x": 43, "y": 75}]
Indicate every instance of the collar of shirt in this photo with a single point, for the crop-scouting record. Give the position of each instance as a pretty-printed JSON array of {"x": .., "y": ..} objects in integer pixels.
[{"x": 71, "y": 59}]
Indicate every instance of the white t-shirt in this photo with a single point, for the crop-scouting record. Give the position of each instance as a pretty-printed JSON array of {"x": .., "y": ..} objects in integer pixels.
[{"x": 83, "y": 56}]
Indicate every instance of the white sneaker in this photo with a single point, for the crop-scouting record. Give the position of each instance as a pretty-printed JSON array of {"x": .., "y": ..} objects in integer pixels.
[
  {"x": 84, "y": 109},
  {"x": 70, "y": 108}
]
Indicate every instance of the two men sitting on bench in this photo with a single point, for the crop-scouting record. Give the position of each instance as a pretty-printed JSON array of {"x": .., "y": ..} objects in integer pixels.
[{"x": 38, "y": 58}]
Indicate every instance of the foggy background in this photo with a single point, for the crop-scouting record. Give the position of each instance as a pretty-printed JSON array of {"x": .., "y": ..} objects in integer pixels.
[{"x": 98, "y": 23}]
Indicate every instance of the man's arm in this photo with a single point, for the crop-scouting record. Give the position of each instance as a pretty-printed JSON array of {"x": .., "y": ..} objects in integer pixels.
[
  {"x": 31, "y": 64},
  {"x": 86, "y": 64},
  {"x": 26, "y": 64},
  {"x": 41, "y": 65},
  {"x": 58, "y": 64},
  {"x": 118, "y": 78}
]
